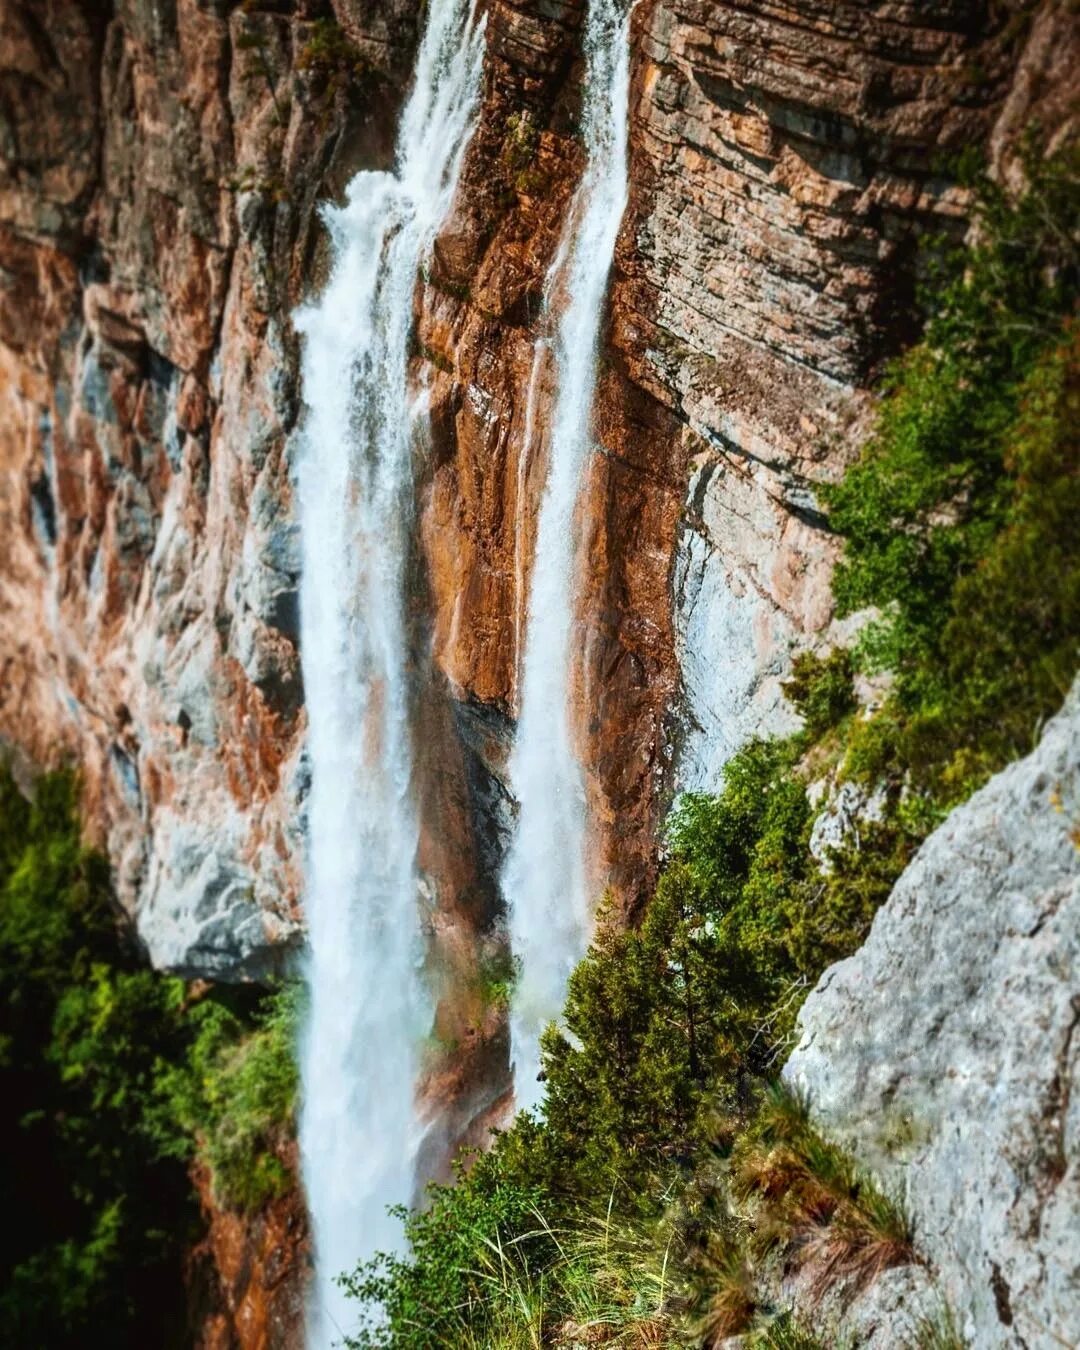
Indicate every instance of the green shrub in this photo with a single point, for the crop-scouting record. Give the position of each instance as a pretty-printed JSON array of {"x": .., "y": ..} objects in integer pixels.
[
  {"x": 956, "y": 519},
  {"x": 810, "y": 1199},
  {"x": 113, "y": 1076},
  {"x": 97, "y": 1221},
  {"x": 821, "y": 690},
  {"x": 329, "y": 55},
  {"x": 230, "y": 1103},
  {"x": 444, "y": 1284}
]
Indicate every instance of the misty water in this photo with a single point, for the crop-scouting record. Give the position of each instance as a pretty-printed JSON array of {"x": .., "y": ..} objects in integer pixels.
[
  {"x": 545, "y": 877},
  {"x": 368, "y": 1007}
]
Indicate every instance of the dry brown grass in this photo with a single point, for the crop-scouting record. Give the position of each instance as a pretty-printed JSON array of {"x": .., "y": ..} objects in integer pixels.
[
  {"x": 729, "y": 1301},
  {"x": 813, "y": 1203}
]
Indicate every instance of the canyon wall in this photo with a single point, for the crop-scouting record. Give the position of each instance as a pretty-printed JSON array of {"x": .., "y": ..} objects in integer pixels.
[
  {"x": 160, "y": 170},
  {"x": 158, "y": 189}
]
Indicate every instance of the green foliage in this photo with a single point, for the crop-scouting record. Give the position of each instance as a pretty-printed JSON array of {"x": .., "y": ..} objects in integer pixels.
[
  {"x": 956, "y": 518},
  {"x": 113, "y": 1077},
  {"x": 328, "y": 54},
  {"x": 821, "y": 690},
  {"x": 444, "y": 1284},
  {"x": 811, "y": 1197},
  {"x": 938, "y": 1331},
  {"x": 496, "y": 975},
  {"x": 521, "y": 141},
  {"x": 784, "y": 1333},
  {"x": 489, "y": 1269},
  {"x": 98, "y": 1221},
  {"x": 231, "y": 1101},
  {"x": 662, "y": 1017}
]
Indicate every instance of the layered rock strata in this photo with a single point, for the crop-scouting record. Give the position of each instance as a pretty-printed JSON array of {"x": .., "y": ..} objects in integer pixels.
[{"x": 160, "y": 169}]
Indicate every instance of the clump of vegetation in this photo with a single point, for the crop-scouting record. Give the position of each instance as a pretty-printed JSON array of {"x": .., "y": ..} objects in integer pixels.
[
  {"x": 809, "y": 1197},
  {"x": 230, "y": 1103},
  {"x": 112, "y": 1074},
  {"x": 784, "y": 1333},
  {"x": 437, "y": 359},
  {"x": 938, "y": 1331},
  {"x": 496, "y": 975},
  {"x": 488, "y": 1268},
  {"x": 521, "y": 141},
  {"x": 329, "y": 56},
  {"x": 821, "y": 690},
  {"x": 958, "y": 523},
  {"x": 82, "y": 1026},
  {"x": 956, "y": 517}
]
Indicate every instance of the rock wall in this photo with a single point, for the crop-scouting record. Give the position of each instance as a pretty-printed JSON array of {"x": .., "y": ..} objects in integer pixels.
[
  {"x": 245, "y": 1278},
  {"x": 160, "y": 169},
  {"x": 944, "y": 1054},
  {"x": 161, "y": 165}
]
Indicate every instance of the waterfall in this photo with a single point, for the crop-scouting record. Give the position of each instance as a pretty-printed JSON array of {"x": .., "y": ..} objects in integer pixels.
[
  {"x": 368, "y": 1008},
  {"x": 544, "y": 880}
]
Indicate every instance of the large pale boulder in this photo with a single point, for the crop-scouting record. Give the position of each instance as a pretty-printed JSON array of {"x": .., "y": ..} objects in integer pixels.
[{"x": 944, "y": 1053}]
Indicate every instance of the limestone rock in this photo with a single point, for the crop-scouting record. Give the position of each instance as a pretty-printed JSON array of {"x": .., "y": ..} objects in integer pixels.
[{"x": 945, "y": 1053}]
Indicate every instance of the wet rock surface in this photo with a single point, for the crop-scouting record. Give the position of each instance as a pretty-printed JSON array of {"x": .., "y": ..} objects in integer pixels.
[{"x": 161, "y": 167}]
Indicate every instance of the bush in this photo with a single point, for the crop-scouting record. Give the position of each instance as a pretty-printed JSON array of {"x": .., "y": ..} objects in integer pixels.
[
  {"x": 114, "y": 1076},
  {"x": 230, "y": 1102},
  {"x": 98, "y": 1220},
  {"x": 821, "y": 690},
  {"x": 428, "y": 1298},
  {"x": 956, "y": 519}
]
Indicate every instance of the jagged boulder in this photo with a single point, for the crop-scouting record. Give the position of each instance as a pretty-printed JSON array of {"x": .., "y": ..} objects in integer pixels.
[{"x": 944, "y": 1053}]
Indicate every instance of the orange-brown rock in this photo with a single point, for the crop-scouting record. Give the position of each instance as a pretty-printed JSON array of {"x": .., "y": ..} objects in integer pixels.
[
  {"x": 160, "y": 168},
  {"x": 243, "y": 1274}
]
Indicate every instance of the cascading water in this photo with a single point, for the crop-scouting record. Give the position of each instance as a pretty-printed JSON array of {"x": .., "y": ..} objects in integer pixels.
[
  {"x": 368, "y": 1009},
  {"x": 544, "y": 879}
]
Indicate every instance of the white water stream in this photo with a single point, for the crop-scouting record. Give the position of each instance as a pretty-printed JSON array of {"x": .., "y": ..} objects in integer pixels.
[
  {"x": 544, "y": 879},
  {"x": 368, "y": 1008}
]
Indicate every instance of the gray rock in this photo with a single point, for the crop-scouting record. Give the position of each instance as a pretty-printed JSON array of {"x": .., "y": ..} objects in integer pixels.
[
  {"x": 944, "y": 1053},
  {"x": 204, "y": 914},
  {"x": 846, "y": 808}
]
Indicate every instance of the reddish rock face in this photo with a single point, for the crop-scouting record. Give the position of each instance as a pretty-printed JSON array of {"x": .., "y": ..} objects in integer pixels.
[
  {"x": 160, "y": 167},
  {"x": 243, "y": 1275}
]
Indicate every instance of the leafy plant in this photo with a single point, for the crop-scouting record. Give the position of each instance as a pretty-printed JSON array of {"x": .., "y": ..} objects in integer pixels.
[
  {"x": 821, "y": 690},
  {"x": 230, "y": 1103},
  {"x": 329, "y": 56},
  {"x": 101, "y": 1219},
  {"x": 114, "y": 1075}
]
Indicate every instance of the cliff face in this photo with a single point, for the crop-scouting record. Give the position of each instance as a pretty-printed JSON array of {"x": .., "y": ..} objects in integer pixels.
[
  {"x": 246, "y": 1277},
  {"x": 160, "y": 168},
  {"x": 161, "y": 171}
]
